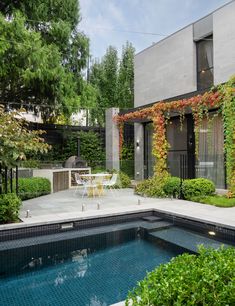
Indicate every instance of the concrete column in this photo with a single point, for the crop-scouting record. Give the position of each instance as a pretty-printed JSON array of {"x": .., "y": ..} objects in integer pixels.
[
  {"x": 139, "y": 151},
  {"x": 112, "y": 140}
]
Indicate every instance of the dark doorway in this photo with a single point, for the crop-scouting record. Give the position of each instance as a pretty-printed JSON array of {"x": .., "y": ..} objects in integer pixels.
[{"x": 182, "y": 143}]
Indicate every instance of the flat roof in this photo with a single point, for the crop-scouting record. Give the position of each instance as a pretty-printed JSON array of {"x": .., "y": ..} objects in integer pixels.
[{"x": 190, "y": 24}]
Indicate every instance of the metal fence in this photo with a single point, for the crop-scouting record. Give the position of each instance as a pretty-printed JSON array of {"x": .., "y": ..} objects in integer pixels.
[{"x": 8, "y": 180}]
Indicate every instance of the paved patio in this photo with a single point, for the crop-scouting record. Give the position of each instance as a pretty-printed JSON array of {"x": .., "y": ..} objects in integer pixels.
[{"x": 66, "y": 205}]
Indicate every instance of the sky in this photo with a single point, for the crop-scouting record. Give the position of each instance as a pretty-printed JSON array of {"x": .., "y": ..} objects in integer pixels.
[{"x": 107, "y": 22}]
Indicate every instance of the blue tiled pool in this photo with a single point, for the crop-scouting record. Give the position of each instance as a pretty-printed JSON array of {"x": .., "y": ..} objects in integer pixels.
[
  {"x": 99, "y": 273},
  {"x": 89, "y": 267}
]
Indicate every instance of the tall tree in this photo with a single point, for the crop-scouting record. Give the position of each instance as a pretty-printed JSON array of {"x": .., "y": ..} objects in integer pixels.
[
  {"x": 104, "y": 76},
  {"x": 110, "y": 75},
  {"x": 125, "y": 84},
  {"x": 58, "y": 52},
  {"x": 114, "y": 82}
]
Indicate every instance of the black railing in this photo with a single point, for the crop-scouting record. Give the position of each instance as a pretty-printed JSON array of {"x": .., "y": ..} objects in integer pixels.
[
  {"x": 8, "y": 180},
  {"x": 183, "y": 171}
]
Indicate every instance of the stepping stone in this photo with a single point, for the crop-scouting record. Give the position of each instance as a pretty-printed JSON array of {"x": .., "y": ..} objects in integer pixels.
[
  {"x": 154, "y": 226},
  {"x": 152, "y": 219}
]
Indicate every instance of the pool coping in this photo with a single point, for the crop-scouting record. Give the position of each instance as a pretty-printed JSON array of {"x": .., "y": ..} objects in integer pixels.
[
  {"x": 102, "y": 214},
  {"x": 22, "y": 230}
]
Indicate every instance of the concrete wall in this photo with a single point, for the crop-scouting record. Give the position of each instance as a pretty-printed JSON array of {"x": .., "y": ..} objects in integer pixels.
[
  {"x": 224, "y": 43},
  {"x": 112, "y": 140},
  {"x": 203, "y": 27},
  {"x": 139, "y": 151},
  {"x": 166, "y": 69}
]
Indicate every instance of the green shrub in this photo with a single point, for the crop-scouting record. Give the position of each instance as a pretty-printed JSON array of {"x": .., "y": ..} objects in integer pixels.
[
  {"x": 9, "y": 207},
  {"x": 172, "y": 186},
  {"x": 31, "y": 163},
  {"x": 152, "y": 187},
  {"x": 33, "y": 187},
  {"x": 197, "y": 187},
  {"x": 125, "y": 180},
  {"x": 206, "y": 279}
]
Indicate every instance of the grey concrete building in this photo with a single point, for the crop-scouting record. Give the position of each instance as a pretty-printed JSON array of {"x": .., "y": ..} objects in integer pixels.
[{"x": 184, "y": 64}]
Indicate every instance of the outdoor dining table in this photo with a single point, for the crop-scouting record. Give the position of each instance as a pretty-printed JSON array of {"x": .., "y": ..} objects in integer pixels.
[{"x": 96, "y": 179}]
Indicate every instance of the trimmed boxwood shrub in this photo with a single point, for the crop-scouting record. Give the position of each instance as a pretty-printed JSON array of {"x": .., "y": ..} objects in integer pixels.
[
  {"x": 206, "y": 279},
  {"x": 33, "y": 187},
  {"x": 172, "y": 186},
  {"x": 9, "y": 207},
  {"x": 197, "y": 188}
]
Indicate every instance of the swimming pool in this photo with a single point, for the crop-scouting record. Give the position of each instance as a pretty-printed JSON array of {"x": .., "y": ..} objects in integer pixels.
[{"x": 84, "y": 268}]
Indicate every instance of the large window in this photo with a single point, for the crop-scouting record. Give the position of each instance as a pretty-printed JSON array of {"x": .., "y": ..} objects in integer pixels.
[
  {"x": 205, "y": 63},
  {"x": 210, "y": 163}
]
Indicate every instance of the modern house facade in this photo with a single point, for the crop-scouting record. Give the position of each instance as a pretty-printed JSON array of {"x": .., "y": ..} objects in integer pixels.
[{"x": 180, "y": 66}]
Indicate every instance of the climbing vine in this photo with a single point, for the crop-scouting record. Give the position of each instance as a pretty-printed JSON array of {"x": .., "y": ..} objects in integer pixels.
[
  {"x": 228, "y": 112},
  {"x": 219, "y": 98}
]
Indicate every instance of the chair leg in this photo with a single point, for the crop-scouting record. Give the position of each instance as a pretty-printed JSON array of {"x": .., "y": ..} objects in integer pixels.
[{"x": 84, "y": 190}]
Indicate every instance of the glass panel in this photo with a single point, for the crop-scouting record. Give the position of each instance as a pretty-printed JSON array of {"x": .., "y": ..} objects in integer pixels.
[
  {"x": 205, "y": 62},
  {"x": 210, "y": 162},
  {"x": 205, "y": 79},
  {"x": 205, "y": 54}
]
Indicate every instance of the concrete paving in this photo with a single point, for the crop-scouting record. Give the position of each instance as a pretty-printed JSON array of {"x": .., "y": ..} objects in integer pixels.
[{"x": 67, "y": 205}]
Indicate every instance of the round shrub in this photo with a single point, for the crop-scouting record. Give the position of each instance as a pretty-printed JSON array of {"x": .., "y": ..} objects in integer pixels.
[
  {"x": 9, "y": 207},
  {"x": 172, "y": 186},
  {"x": 197, "y": 188},
  {"x": 152, "y": 187},
  {"x": 206, "y": 279}
]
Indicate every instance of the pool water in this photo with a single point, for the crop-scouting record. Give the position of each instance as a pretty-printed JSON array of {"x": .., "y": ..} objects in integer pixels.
[{"x": 87, "y": 276}]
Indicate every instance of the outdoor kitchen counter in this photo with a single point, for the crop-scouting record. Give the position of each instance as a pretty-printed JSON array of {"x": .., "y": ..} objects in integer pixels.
[{"x": 60, "y": 178}]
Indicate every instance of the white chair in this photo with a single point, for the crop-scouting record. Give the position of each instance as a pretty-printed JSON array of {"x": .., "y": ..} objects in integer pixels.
[
  {"x": 86, "y": 185},
  {"x": 111, "y": 183}
]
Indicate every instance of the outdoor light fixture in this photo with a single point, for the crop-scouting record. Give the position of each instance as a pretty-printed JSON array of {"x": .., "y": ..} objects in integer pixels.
[
  {"x": 137, "y": 144},
  {"x": 211, "y": 233}
]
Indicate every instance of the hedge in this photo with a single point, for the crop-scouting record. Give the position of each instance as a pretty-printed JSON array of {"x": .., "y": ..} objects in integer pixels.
[
  {"x": 33, "y": 187},
  {"x": 206, "y": 279}
]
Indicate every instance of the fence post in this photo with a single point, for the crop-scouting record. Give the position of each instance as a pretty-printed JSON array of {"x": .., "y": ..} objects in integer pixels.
[
  {"x": 5, "y": 180},
  {"x": 17, "y": 181},
  {"x": 11, "y": 180},
  {"x": 183, "y": 172},
  {"x": 0, "y": 178}
]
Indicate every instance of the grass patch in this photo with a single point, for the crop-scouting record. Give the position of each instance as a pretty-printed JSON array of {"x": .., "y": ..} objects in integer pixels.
[{"x": 216, "y": 200}]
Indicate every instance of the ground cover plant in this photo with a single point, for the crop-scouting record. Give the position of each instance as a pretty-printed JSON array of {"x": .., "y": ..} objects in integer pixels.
[
  {"x": 216, "y": 200},
  {"x": 204, "y": 279}
]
